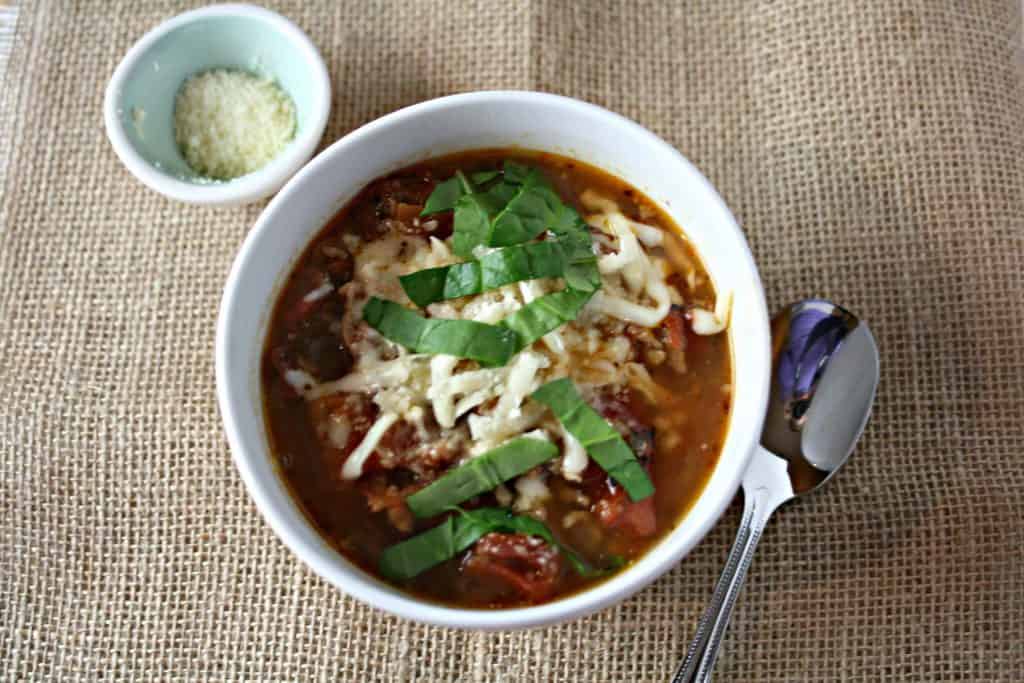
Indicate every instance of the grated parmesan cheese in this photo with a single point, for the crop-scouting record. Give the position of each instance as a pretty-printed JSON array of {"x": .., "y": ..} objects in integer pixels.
[{"x": 229, "y": 122}]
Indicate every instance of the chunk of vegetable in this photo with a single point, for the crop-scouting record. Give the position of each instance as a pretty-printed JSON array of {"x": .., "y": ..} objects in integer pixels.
[
  {"x": 604, "y": 444},
  {"x": 481, "y": 474}
]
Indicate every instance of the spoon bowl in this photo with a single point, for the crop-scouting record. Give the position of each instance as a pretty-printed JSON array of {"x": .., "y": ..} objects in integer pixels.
[{"x": 825, "y": 370}]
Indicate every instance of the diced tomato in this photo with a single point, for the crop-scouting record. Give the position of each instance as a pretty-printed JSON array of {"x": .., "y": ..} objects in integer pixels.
[
  {"x": 616, "y": 511},
  {"x": 675, "y": 327},
  {"x": 526, "y": 565}
]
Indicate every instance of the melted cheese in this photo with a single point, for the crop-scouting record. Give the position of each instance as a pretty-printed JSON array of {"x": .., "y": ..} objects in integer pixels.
[
  {"x": 371, "y": 374},
  {"x": 353, "y": 468},
  {"x": 301, "y": 381},
  {"x": 640, "y": 276},
  {"x": 319, "y": 293},
  {"x": 707, "y": 323},
  {"x": 574, "y": 458}
]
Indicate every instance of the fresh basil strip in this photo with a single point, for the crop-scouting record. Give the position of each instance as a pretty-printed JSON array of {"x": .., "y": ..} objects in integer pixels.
[
  {"x": 448, "y": 192},
  {"x": 515, "y": 173},
  {"x": 473, "y": 214},
  {"x": 490, "y": 345},
  {"x": 546, "y": 313},
  {"x": 527, "y": 214},
  {"x": 496, "y": 269},
  {"x": 605, "y": 445},
  {"x": 443, "y": 197},
  {"x": 501, "y": 193},
  {"x": 403, "y": 561},
  {"x": 480, "y": 474},
  {"x": 484, "y": 177}
]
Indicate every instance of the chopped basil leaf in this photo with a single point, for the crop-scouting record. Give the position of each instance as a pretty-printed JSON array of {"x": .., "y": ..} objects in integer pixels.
[
  {"x": 519, "y": 206},
  {"x": 481, "y": 474},
  {"x": 473, "y": 214},
  {"x": 527, "y": 214},
  {"x": 484, "y": 177},
  {"x": 501, "y": 193},
  {"x": 405, "y": 560},
  {"x": 546, "y": 313},
  {"x": 515, "y": 173},
  {"x": 443, "y": 197},
  {"x": 552, "y": 258},
  {"x": 604, "y": 444},
  {"x": 490, "y": 345}
]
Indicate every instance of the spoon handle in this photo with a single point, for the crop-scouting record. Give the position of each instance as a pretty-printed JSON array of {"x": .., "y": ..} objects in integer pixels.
[{"x": 766, "y": 486}]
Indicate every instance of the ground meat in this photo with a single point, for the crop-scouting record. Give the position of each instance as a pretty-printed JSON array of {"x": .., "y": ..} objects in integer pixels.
[
  {"x": 528, "y": 566},
  {"x": 424, "y": 451},
  {"x": 383, "y": 496},
  {"x": 395, "y": 205},
  {"x": 315, "y": 343},
  {"x": 356, "y": 411},
  {"x": 618, "y": 405},
  {"x": 337, "y": 261},
  {"x": 673, "y": 332}
]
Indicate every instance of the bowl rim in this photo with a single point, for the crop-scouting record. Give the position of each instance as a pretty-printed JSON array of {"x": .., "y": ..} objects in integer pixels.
[
  {"x": 350, "y": 580},
  {"x": 252, "y": 186}
]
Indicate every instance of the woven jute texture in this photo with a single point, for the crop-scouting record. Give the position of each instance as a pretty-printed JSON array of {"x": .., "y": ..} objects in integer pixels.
[{"x": 874, "y": 153}]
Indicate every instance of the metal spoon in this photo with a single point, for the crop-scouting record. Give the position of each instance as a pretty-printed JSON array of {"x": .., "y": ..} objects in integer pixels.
[{"x": 823, "y": 383}]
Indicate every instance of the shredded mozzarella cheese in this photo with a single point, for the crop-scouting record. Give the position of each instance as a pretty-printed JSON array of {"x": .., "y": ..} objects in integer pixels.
[
  {"x": 319, "y": 293},
  {"x": 353, "y": 467},
  {"x": 707, "y": 323},
  {"x": 301, "y": 381},
  {"x": 574, "y": 459}
]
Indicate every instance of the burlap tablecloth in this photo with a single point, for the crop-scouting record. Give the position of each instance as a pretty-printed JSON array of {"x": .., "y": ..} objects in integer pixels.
[{"x": 874, "y": 153}]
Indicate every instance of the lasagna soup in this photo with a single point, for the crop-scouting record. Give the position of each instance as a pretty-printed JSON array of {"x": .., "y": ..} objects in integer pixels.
[{"x": 497, "y": 377}]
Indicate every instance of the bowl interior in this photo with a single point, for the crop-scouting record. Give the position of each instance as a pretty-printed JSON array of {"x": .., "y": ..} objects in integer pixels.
[
  {"x": 145, "y": 104},
  {"x": 461, "y": 122}
]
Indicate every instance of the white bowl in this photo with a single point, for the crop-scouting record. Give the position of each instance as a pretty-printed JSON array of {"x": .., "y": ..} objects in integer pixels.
[
  {"x": 451, "y": 124},
  {"x": 138, "y": 109}
]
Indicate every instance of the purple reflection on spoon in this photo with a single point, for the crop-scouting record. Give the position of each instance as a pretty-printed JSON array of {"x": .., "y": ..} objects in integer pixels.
[{"x": 816, "y": 329}]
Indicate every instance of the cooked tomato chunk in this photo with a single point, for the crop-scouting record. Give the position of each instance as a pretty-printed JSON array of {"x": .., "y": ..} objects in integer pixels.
[{"x": 526, "y": 565}]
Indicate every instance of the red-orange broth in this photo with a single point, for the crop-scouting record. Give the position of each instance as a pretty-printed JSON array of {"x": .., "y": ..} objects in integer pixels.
[{"x": 688, "y": 422}]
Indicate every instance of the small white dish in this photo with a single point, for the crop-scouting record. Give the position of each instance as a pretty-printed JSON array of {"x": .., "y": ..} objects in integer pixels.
[
  {"x": 452, "y": 124},
  {"x": 138, "y": 108}
]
